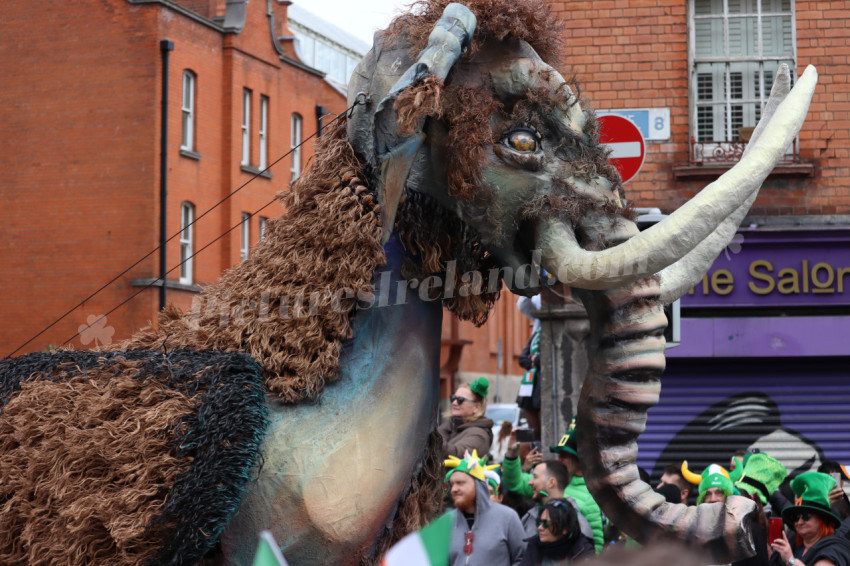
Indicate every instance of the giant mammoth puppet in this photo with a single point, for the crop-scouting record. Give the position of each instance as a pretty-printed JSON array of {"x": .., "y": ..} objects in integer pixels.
[{"x": 300, "y": 394}]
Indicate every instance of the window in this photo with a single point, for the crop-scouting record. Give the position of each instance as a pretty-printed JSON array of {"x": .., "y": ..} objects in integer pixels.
[
  {"x": 246, "y": 127},
  {"x": 245, "y": 241},
  {"x": 305, "y": 48},
  {"x": 296, "y": 146},
  {"x": 188, "y": 108},
  {"x": 263, "y": 221},
  {"x": 736, "y": 49},
  {"x": 187, "y": 216},
  {"x": 264, "y": 132}
]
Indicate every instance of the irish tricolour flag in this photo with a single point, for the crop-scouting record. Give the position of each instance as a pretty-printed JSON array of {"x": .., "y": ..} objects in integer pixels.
[{"x": 428, "y": 547}]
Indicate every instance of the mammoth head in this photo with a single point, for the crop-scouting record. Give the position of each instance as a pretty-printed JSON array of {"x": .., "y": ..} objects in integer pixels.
[{"x": 481, "y": 124}]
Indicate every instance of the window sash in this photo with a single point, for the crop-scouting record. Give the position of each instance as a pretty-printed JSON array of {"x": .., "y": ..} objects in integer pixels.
[
  {"x": 246, "y": 127},
  {"x": 264, "y": 124},
  {"x": 187, "y": 216},
  {"x": 263, "y": 221},
  {"x": 295, "y": 167},
  {"x": 188, "y": 111},
  {"x": 245, "y": 242},
  {"x": 735, "y": 48}
]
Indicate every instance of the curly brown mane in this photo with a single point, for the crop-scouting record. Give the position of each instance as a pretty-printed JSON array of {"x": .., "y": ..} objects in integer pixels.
[
  {"x": 288, "y": 304},
  {"x": 527, "y": 20}
]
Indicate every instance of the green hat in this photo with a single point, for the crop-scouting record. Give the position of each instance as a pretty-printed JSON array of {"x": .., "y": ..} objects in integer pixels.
[
  {"x": 470, "y": 464},
  {"x": 714, "y": 476},
  {"x": 567, "y": 444},
  {"x": 480, "y": 387},
  {"x": 762, "y": 475},
  {"x": 812, "y": 490}
]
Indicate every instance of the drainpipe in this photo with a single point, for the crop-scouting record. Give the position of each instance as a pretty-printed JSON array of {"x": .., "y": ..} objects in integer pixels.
[{"x": 164, "y": 47}]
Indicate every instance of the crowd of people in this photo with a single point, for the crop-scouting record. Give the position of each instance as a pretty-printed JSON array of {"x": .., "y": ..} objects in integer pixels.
[{"x": 528, "y": 510}]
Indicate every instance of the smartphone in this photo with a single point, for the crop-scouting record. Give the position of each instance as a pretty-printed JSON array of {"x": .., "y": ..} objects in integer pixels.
[
  {"x": 774, "y": 529},
  {"x": 536, "y": 445},
  {"x": 840, "y": 483},
  {"x": 525, "y": 435}
]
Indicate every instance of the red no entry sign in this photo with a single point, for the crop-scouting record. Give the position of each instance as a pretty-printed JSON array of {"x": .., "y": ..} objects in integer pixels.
[{"x": 626, "y": 143}]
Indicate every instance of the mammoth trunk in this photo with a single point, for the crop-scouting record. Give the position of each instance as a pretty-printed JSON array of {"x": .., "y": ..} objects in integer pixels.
[{"x": 623, "y": 382}]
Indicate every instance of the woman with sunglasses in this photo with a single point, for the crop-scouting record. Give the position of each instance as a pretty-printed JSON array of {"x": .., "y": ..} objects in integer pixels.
[
  {"x": 468, "y": 428},
  {"x": 558, "y": 540},
  {"x": 814, "y": 523}
]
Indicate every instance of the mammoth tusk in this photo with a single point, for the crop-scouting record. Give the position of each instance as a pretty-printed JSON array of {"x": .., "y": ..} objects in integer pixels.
[
  {"x": 678, "y": 278},
  {"x": 673, "y": 238}
]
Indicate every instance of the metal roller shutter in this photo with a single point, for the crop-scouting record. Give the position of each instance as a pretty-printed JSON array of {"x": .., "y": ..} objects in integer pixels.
[{"x": 796, "y": 410}]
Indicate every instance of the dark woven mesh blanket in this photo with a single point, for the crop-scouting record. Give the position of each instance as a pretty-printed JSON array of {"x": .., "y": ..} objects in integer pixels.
[{"x": 129, "y": 457}]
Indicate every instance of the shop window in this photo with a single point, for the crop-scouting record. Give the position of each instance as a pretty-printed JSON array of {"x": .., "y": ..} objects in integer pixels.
[
  {"x": 187, "y": 242},
  {"x": 737, "y": 47}
]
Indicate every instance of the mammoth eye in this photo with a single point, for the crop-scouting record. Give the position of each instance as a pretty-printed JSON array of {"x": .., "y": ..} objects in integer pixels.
[{"x": 522, "y": 140}]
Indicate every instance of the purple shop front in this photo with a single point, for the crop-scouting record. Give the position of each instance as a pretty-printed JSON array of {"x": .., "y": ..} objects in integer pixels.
[{"x": 764, "y": 360}]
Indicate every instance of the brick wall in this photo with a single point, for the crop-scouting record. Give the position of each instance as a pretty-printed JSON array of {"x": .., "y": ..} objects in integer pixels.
[
  {"x": 80, "y": 189},
  {"x": 634, "y": 55}
]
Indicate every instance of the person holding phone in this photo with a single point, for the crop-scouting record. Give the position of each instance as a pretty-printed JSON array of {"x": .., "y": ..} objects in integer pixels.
[
  {"x": 759, "y": 479},
  {"x": 838, "y": 497},
  {"x": 814, "y": 524}
]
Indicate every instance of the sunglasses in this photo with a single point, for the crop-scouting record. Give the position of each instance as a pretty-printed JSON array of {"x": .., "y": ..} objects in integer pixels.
[
  {"x": 460, "y": 400},
  {"x": 543, "y": 523},
  {"x": 467, "y": 542},
  {"x": 804, "y": 516}
]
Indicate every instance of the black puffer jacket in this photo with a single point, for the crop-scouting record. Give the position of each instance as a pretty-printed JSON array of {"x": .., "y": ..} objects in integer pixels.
[{"x": 565, "y": 550}]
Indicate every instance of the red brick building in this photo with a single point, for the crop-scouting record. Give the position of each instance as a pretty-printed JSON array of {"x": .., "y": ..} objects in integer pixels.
[{"x": 82, "y": 93}]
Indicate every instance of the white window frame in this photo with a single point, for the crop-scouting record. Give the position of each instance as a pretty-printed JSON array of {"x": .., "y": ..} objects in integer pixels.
[
  {"x": 263, "y": 223},
  {"x": 742, "y": 94},
  {"x": 246, "y": 126},
  {"x": 264, "y": 132},
  {"x": 295, "y": 167},
  {"x": 245, "y": 240},
  {"x": 188, "y": 111},
  {"x": 187, "y": 242}
]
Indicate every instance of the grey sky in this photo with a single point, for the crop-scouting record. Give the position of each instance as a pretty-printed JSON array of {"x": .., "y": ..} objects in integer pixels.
[{"x": 359, "y": 17}]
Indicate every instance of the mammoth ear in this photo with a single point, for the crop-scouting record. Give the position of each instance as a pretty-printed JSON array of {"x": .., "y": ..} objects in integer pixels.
[{"x": 395, "y": 149}]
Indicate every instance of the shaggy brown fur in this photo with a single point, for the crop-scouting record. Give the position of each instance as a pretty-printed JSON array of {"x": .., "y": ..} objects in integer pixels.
[
  {"x": 435, "y": 237},
  {"x": 105, "y": 428},
  {"x": 111, "y": 458},
  {"x": 288, "y": 304},
  {"x": 416, "y": 102},
  {"x": 528, "y": 20},
  {"x": 467, "y": 114}
]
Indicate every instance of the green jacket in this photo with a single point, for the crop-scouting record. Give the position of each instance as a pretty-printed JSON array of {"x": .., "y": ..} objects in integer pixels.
[
  {"x": 515, "y": 480},
  {"x": 588, "y": 507}
]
